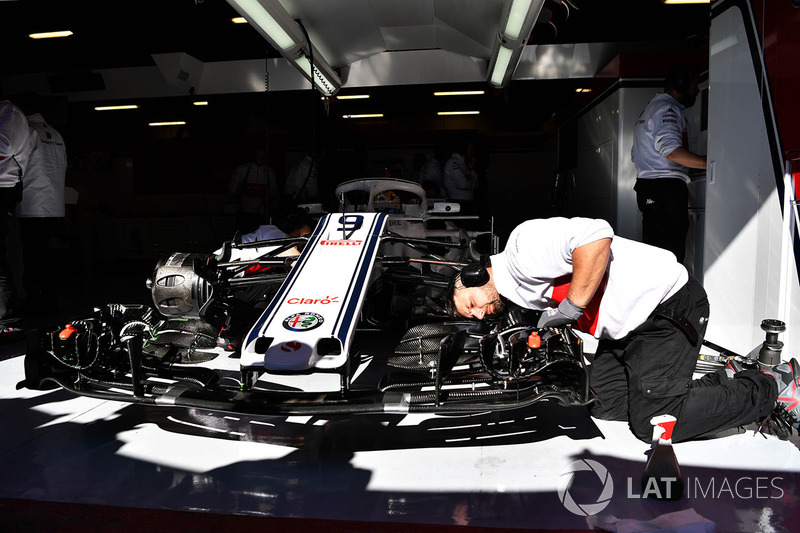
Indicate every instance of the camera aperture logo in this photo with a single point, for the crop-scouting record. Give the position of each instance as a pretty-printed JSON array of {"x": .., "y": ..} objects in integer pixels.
[{"x": 565, "y": 484}]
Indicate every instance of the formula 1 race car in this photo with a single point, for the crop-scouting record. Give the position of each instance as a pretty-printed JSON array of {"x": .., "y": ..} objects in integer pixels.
[{"x": 355, "y": 323}]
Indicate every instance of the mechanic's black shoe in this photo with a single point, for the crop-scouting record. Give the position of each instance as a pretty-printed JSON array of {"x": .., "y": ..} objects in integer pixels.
[{"x": 787, "y": 375}]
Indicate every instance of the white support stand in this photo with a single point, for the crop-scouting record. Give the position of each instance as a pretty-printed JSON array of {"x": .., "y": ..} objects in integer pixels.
[{"x": 790, "y": 221}]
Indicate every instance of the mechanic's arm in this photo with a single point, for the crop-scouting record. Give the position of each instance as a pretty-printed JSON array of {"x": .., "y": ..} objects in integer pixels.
[
  {"x": 294, "y": 253},
  {"x": 589, "y": 263},
  {"x": 689, "y": 159}
]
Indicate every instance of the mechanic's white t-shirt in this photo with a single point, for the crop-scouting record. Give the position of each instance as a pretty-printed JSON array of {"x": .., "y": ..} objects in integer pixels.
[
  {"x": 43, "y": 184},
  {"x": 458, "y": 180},
  {"x": 15, "y": 144},
  {"x": 538, "y": 259},
  {"x": 264, "y": 232},
  {"x": 658, "y": 132}
]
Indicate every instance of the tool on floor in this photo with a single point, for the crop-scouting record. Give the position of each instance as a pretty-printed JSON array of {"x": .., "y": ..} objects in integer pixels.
[{"x": 662, "y": 478}]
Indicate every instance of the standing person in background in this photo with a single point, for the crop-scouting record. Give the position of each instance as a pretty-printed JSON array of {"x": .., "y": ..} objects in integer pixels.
[
  {"x": 431, "y": 174},
  {"x": 418, "y": 161},
  {"x": 14, "y": 153},
  {"x": 459, "y": 177},
  {"x": 302, "y": 183},
  {"x": 661, "y": 155},
  {"x": 41, "y": 212},
  {"x": 255, "y": 189}
]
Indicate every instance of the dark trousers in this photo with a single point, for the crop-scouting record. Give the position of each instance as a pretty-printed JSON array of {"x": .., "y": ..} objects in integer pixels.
[
  {"x": 9, "y": 197},
  {"x": 6, "y": 279},
  {"x": 41, "y": 270},
  {"x": 664, "y": 204},
  {"x": 649, "y": 373}
]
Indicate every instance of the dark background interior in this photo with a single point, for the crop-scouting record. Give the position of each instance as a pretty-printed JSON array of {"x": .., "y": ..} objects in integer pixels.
[{"x": 145, "y": 192}]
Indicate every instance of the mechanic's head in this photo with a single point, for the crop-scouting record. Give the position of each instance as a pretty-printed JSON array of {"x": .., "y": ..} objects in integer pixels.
[
  {"x": 297, "y": 223},
  {"x": 681, "y": 82},
  {"x": 474, "y": 302},
  {"x": 301, "y": 231},
  {"x": 257, "y": 148}
]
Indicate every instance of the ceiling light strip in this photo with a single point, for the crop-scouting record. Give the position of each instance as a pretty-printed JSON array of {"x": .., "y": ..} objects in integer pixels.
[
  {"x": 364, "y": 115},
  {"x": 115, "y": 107},
  {"x": 516, "y": 18},
  {"x": 516, "y": 24},
  {"x": 275, "y": 24},
  {"x": 50, "y": 34},
  {"x": 458, "y": 93},
  {"x": 255, "y": 13},
  {"x": 447, "y": 113},
  {"x": 319, "y": 78},
  {"x": 169, "y": 123},
  {"x": 501, "y": 66}
]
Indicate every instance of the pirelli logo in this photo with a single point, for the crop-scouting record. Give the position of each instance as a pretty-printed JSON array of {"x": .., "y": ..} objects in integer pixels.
[{"x": 341, "y": 243}]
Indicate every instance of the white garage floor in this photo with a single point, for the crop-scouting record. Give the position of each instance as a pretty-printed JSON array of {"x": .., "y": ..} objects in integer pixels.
[{"x": 483, "y": 471}]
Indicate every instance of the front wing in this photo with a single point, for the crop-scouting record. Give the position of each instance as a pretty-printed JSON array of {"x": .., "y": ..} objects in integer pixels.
[{"x": 371, "y": 359}]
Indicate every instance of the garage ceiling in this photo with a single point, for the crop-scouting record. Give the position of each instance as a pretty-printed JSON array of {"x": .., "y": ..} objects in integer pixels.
[
  {"x": 118, "y": 50},
  {"x": 114, "y": 34}
]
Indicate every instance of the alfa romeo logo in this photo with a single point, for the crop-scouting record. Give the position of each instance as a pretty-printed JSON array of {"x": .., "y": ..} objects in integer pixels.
[
  {"x": 585, "y": 509},
  {"x": 303, "y": 321}
]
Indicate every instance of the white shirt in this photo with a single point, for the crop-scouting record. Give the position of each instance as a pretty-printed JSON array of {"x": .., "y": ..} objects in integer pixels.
[
  {"x": 43, "y": 183},
  {"x": 298, "y": 176},
  {"x": 458, "y": 180},
  {"x": 250, "y": 182},
  {"x": 657, "y": 133},
  {"x": 15, "y": 144},
  {"x": 264, "y": 232},
  {"x": 431, "y": 171},
  {"x": 539, "y": 255}
]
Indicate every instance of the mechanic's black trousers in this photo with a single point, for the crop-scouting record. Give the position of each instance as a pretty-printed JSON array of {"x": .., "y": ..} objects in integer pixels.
[
  {"x": 649, "y": 373},
  {"x": 664, "y": 204}
]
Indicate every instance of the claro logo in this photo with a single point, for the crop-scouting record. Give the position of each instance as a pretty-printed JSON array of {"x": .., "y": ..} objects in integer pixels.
[
  {"x": 341, "y": 243},
  {"x": 324, "y": 301}
]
